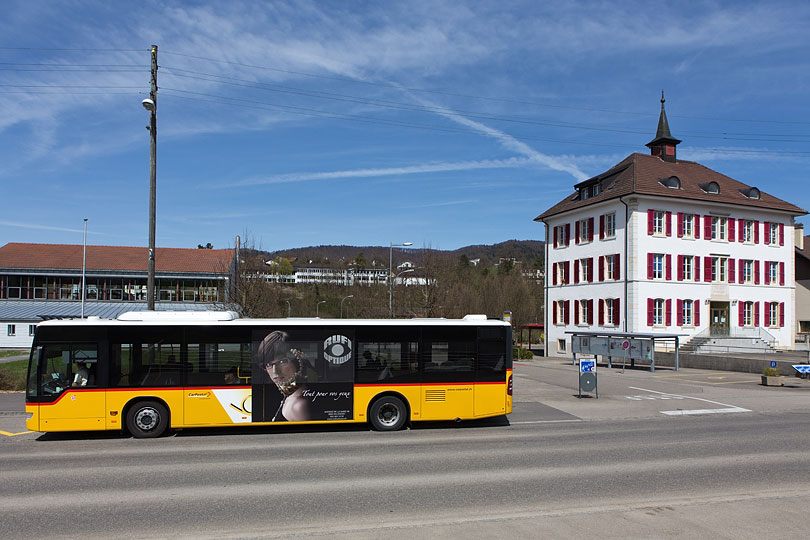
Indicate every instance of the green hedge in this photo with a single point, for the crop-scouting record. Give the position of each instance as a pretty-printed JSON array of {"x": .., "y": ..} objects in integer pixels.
[{"x": 520, "y": 353}]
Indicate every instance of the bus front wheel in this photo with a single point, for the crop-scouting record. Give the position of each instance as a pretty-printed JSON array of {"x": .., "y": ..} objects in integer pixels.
[
  {"x": 147, "y": 419},
  {"x": 388, "y": 413}
]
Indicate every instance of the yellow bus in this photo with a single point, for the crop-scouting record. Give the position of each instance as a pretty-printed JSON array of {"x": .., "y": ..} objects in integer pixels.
[{"x": 147, "y": 372}]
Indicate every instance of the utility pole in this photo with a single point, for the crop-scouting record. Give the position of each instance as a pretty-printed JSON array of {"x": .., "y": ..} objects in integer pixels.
[{"x": 150, "y": 279}]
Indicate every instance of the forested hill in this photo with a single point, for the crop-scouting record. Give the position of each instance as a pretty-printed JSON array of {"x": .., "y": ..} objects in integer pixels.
[{"x": 524, "y": 251}]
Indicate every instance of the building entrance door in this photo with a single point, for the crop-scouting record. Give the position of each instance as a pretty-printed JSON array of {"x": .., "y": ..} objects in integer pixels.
[{"x": 718, "y": 319}]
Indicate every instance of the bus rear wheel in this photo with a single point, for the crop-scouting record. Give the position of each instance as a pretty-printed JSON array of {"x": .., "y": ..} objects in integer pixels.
[
  {"x": 388, "y": 413},
  {"x": 147, "y": 419}
]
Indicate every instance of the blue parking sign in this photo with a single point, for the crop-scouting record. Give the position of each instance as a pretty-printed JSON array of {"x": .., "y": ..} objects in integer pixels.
[{"x": 587, "y": 366}]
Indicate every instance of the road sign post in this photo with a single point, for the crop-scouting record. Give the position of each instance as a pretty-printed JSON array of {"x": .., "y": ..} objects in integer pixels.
[{"x": 587, "y": 376}]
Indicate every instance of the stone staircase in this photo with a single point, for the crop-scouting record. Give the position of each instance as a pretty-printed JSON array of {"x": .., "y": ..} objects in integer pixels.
[{"x": 726, "y": 344}]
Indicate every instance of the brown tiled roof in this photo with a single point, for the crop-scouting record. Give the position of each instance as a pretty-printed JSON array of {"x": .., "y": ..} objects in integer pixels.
[
  {"x": 806, "y": 251},
  {"x": 114, "y": 258},
  {"x": 640, "y": 174}
]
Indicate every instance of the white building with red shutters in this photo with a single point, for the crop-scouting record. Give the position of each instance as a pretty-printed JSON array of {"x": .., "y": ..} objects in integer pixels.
[{"x": 661, "y": 245}]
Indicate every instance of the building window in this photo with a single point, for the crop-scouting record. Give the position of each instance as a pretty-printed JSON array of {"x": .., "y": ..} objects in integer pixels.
[
  {"x": 719, "y": 269},
  {"x": 658, "y": 312},
  {"x": 689, "y": 225},
  {"x": 659, "y": 226},
  {"x": 773, "y": 313},
  {"x": 610, "y": 316},
  {"x": 11, "y": 330},
  {"x": 31, "y": 329},
  {"x": 610, "y": 267},
  {"x": 585, "y": 269},
  {"x": 560, "y": 345},
  {"x": 748, "y": 271},
  {"x": 584, "y": 312},
  {"x": 559, "y": 237},
  {"x": 688, "y": 306},
  {"x": 560, "y": 312},
  {"x": 584, "y": 226},
  {"x": 748, "y": 314},
  {"x": 719, "y": 228},
  {"x": 773, "y": 272},
  {"x": 610, "y": 225},
  {"x": 658, "y": 266},
  {"x": 773, "y": 234},
  {"x": 688, "y": 268},
  {"x": 748, "y": 231}
]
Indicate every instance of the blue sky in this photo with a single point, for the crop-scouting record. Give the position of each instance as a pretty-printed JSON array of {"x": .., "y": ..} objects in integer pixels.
[{"x": 439, "y": 123}]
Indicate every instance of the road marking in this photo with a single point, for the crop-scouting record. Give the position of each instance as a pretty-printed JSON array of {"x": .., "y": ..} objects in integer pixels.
[
  {"x": 7, "y": 434},
  {"x": 726, "y": 407},
  {"x": 547, "y": 421},
  {"x": 681, "y": 378}
]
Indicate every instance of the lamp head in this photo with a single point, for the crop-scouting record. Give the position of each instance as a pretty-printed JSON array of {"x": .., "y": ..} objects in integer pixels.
[{"x": 148, "y": 104}]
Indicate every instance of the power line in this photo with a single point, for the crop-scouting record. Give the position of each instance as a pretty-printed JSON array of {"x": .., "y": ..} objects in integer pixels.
[
  {"x": 63, "y": 49},
  {"x": 442, "y": 110},
  {"x": 472, "y": 96},
  {"x": 239, "y": 102}
]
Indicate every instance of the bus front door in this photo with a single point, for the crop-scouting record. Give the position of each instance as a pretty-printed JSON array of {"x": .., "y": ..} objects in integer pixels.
[{"x": 68, "y": 376}]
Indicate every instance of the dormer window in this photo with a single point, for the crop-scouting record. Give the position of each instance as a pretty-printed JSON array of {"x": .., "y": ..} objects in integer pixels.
[
  {"x": 673, "y": 182},
  {"x": 751, "y": 193},
  {"x": 589, "y": 191},
  {"x": 711, "y": 187}
]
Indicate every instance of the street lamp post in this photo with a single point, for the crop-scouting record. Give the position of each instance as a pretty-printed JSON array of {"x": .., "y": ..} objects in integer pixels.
[
  {"x": 84, "y": 265},
  {"x": 318, "y": 307},
  {"x": 341, "y": 304},
  {"x": 391, "y": 276},
  {"x": 150, "y": 104},
  {"x": 289, "y": 308}
]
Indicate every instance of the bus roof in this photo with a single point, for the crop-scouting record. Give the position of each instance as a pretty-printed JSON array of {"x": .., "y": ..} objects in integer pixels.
[{"x": 230, "y": 318}]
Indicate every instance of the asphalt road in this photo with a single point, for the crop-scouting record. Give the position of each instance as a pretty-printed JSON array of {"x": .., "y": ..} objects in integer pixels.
[{"x": 687, "y": 454}]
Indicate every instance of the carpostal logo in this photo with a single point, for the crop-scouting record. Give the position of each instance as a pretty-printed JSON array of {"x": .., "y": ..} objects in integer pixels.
[
  {"x": 199, "y": 394},
  {"x": 337, "y": 349}
]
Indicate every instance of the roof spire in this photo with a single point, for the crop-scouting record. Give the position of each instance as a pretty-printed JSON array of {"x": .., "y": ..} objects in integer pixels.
[{"x": 664, "y": 143}]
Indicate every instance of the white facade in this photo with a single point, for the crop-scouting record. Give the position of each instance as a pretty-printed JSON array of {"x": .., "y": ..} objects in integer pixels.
[
  {"x": 662, "y": 283},
  {"x": 16, "y": 334}
]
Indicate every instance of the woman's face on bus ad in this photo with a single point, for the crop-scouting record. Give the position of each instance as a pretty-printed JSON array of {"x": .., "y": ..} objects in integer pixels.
[{"x": 280, "y": 369}]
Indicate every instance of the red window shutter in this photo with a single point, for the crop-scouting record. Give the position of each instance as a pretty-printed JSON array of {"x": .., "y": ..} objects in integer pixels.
[
  {"x": 567, "y": 278},
  {"x": 668, "y": 318},
  {"x": 649, "y": 265},
  {"x": 601, "y": 312},
  {"x": 602, "y": 227},
  {"x": 696, "y": 309},
  {"x": 680, "y": 224},
  {"x": 696, "y": 266},
  {"x": 590, "y": 311},
  {"x": 781, "y": 234},
  {"x": 576, "y": 311},
  {"x": 741, "y": 230},
  {"x": 741, "y": 273},
  {"x": 741, "y": 313},
  {"x": 766, "y": 314},
  {"x": 555, "y": 237},
  {"x": 650, "y": 218},
  {"x": 731, "y": 269},
  {"x": 668, "y": 224},
  {"x": 567, "y": 234},
  {"x": 590, "y": 229},
  {"x": 554, "y": 274},
  {"x": 650, "y": 308},
  {"x": 707, "y": 228},
  {"x": 756, "y": 232},
  {"x": 616, "y": 317},
  {"x": 590, "y": 270},
  {"x": 680, "y": 267},
  {"x": 781, "y": 314},
  {"x": 767, "y": 278},
  {"x": 696, "y": 226},
  {"x": 601, "y": 268},
  {"x": 616, "y": 267},
  {"x": 567, "y": 311},
  {"x": 781, "y": 273},
  {"x": 679, "y": 312},
  {"x": 766, "y": 233},
  {"x": 732, "y": 234},
  {"x": 554, "y": 313},
  {"x": 756, "y": 313},
  {"x": 707, "y": 269},
  {"x": 756, "y": 272},
  {"x": 668, "y": 269},
  {"x": 576, "y": 270},
  {"x": 576, "y": 232}
]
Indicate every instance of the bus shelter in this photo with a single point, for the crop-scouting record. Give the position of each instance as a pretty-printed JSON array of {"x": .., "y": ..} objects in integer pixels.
[
  {"x": 530, "y": 327},
  {"x": 621, "y": 346}
]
